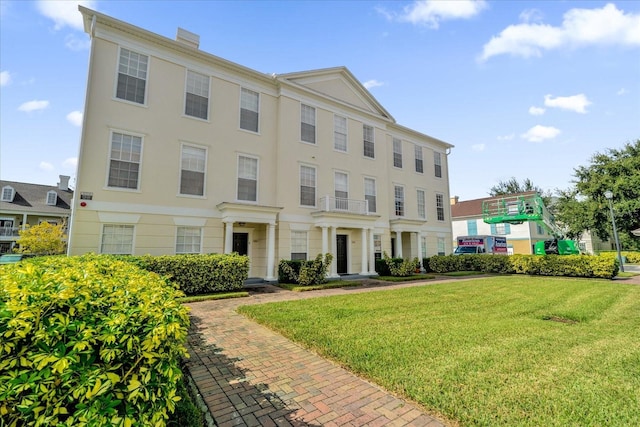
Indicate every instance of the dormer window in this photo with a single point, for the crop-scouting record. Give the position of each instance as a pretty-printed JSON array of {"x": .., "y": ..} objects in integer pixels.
[
  {"x": 52, "y": 198},
  {"x": 8, "y": 193}
]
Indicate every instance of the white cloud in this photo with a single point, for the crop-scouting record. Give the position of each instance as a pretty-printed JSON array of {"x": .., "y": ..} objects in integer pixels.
[
  {"x": 531, "y": 15},
  {"x": 622, "y": 91},
  {"x": 536, "y": 111},
  {"x": 46, "y": 166},
  {"x": 5, "y": 78},
  {"x": 64, "y": 13},
  {"x": 431, "y": 12},
  {"x": 580, "y": 27},
  {"x": 70, "y": 163},
  {"x": 372, "y": 83},
  {"x": 539, "y": 133},
  {"x": 507, "y": 137},
  {"x": 75, "y": 118},
  {"x": 577, "y": 103},
  {"x": 478, "y": 147},
  {"x": 33, "y": 106},
  {"x": 74, "y": 43}
]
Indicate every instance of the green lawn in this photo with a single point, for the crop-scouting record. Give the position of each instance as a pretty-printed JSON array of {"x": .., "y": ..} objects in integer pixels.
[{"x": 497, "y": 351}]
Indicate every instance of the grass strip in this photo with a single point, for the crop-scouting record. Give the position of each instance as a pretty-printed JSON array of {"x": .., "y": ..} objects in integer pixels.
[
  {"x": 198, "y": 298},
  {"x": 411, "y": 278}
]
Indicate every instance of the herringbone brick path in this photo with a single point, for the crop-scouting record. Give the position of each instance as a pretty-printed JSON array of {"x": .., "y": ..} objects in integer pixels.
[{"x": 251, "y": 376}]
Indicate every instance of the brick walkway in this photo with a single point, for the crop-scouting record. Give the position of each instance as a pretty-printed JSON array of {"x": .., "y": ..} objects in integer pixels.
[{"x": 251, "y": 376}]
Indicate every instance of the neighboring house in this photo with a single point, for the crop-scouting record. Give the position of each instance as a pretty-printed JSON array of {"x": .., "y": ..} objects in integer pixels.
[
  {"x": 186, "y": 152},
  {"x": 23, "y": 204},
  {"x": 466, "y": 220}
]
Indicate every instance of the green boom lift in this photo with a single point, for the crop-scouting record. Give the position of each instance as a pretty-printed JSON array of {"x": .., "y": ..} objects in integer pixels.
[{"x": 524, "y": 208}]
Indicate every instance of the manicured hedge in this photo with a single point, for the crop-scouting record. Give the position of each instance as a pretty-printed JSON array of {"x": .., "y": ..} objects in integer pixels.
[
  {"x": 88, "y": 341},
  {"x": 198, "y": 274},
  {"x": 632, "y": 257},
  {"x": 549, "y": 265},
  {"x": 382, "y": 268},
  {"x": 305, "y": 273}
]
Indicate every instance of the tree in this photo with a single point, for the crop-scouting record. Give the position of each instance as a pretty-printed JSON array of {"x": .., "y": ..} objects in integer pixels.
[
  {"x": 585, "y": 207},
  {"x": 513, "y": 186},
  {"x": 43, "y": 239}
]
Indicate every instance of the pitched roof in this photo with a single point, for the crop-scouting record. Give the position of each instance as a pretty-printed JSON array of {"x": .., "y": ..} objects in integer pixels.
[
  {"x": 33, "y": 198},
  {"x": 470, "y": 208}
]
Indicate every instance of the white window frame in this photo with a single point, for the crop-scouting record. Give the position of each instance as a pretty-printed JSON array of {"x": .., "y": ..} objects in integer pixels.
[
  {"x": 257, "y": 179},
  {"x": 8, "y": 196},
  {"x": 422, "y": 204},
  {"x": 146, "y": 79},
  {"x": 423, "y": 241},
  {"x": 440, "y": 207},
  {"x": 186, "y": 92},
  {"x": 315, "y": 185},
  {"x": 52, "y": 198},
  {"x": 314, "y": 124},
  {"x": 374, "y": 195},
  {"x": 121, "y": 226},
  {"x": 343, "y": 203},
  {"x": 437, "y": 164},
  {"x": 188, "y": 228},
  {"x": 338, "y": 132},
  {"x": 204, "y": 171},
  {"x": 397, "y": 153},
  {"x": 297, "y": 235},
  {"x": 418, "y": 158},
  {"x": 245, "y": 90},
  {"x": 441, "y": 246},
  {"x": 396, "y": 187},
  {"x": 108, "y": 174},
  {"x": 365, "y": 141}
]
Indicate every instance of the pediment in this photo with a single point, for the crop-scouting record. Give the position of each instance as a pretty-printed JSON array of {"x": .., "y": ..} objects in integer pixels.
[{"x": 339, "y": 84}]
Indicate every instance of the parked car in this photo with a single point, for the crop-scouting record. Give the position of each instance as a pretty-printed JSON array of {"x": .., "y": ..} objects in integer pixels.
[{"x": 11, "y": 258}]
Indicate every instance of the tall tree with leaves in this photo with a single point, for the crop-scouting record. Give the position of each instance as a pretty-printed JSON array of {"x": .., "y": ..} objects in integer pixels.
[
  {"x": 513, "y": 186},
  {"x": 585, "y": 207}
]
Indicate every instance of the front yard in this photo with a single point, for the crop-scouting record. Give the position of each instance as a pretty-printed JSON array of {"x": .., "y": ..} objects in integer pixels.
[{"x": 498, "y": 351}]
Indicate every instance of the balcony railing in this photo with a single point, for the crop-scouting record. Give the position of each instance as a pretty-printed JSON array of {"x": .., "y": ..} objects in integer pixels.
[
  {"x": 340, "y": 204},
  {"x": 8, "y": 231}
]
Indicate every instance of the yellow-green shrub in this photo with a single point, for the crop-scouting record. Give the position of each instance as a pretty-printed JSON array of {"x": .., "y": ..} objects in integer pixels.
[
  {"x": 88, "y": 341},
  {"x": 632, "y": 257}
]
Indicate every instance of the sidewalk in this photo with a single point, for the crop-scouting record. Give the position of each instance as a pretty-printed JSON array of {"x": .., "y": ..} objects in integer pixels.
[{"x": 251, "y": 376}]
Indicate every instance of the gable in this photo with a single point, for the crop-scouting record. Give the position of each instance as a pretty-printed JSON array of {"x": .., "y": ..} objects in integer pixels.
[{"x": 339, "y": 84}]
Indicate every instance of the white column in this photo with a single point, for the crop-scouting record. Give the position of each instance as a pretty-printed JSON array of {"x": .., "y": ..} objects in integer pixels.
[
  {"x": 271, "y": 250},
  {"x": 398, "y": 244},
  {"x": 420, "y": 248},
  {"x": 372, "y": 253},
  {"x": 24, "y": 222},
  {"x": 228, "y": 237},
  {"x": 325, "y": 240},
  {"x": 334, "y": 262},
  {"x": 363, "y": 269}
]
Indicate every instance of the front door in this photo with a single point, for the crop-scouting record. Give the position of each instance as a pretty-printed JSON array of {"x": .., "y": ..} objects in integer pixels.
[
  {"x": 341, "y": 253},
  {"x": 241, "y": 243}
]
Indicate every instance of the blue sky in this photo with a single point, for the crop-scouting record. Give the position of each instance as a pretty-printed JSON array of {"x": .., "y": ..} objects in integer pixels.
[{"x": 522, "y": 89}]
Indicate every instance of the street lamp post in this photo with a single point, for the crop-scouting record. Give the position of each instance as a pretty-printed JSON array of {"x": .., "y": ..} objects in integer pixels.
[{"x": 609, "y": 195}]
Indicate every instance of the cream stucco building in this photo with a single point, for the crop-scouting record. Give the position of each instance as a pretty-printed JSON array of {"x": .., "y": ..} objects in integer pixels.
[{"x": 185, "y": 152}]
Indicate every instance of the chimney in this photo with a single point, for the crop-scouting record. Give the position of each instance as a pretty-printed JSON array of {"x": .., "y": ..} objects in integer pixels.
[
  {"x": 454, "y": 200},
  {"x": 64, "y": 183},
  {"x": 188, "y": 38}
]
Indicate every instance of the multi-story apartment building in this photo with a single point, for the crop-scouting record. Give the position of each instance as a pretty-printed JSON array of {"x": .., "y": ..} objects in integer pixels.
[
  {"x": 23, "y": 204},
  {"x": 186, "y": 152}
]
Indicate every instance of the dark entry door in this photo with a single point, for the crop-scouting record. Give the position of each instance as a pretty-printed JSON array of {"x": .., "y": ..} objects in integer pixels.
[
  {"x": 341, "y": 253},
  {"x": 241, "y": 243}
]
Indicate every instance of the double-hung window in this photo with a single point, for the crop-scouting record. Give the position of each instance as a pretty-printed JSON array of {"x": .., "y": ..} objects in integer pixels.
[
  {"x": 370, "y": 193},
  {"x": 8, "y": 193},
  {"x": 419, "y": 162},
  {"x": 441, "y": 246},
  {"x": 197, "y": 97},
  {"x": 188, "y": 240},
  {"x": 307, "y": 186},
  {"x": 341, "y": 190},
  {"x": 192, "y": 170},
  {"x": 501, "y": 229},
  {"x": 472, "y": 227},
  {"x": 249, "y": 110},
  {"x": 340, "y": 133},
  {"x": 437, "y": 162},
  {"x": 124, "y": 161},
  {"x": 422, "y": 210},
  {"x": 399, "y": 199},
  {"x": 52, "y": 198},
  {"x": 368, "y": 141},
  {"x": 299, "y": 245},
  {"x": 440, "y": 206},
  {"x": 307, "y": 124},
  {"x": 132, "y": 76},
  {"x": 117, "y": 239},
  {"x": 397, "y": 152},
  {"x": 247, "y": 179}
]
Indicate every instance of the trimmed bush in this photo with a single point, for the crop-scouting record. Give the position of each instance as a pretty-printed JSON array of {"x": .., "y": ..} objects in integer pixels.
[
  {"x": 88, "y": 341},
  {"x": 198, "y": 274},
  {"x": 306, "y": 273},
  {"x": 382, "y": 265},
  {"x": 426, "y": 266},
  {"x": 632, "y": 257}
]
